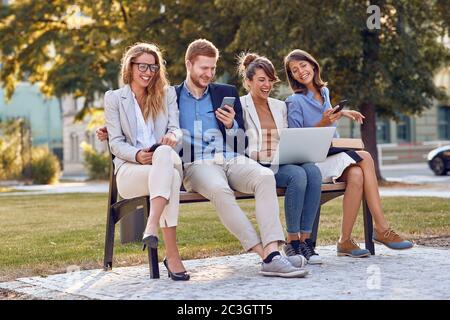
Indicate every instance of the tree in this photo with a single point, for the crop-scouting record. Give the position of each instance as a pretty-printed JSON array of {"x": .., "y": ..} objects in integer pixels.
[
  {"x": 386, "y": 72},
  {"x": 76, "y": 49}
]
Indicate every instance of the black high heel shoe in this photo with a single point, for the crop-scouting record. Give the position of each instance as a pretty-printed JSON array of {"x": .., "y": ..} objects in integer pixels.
[
  {"x": 151, "y": 242},
  {"x": 178, "y": 276}
]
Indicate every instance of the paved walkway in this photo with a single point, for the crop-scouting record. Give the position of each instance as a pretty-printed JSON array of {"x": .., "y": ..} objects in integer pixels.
[
  {"x": 419, "y": 273},
  {"x": 442, "y": 191}
]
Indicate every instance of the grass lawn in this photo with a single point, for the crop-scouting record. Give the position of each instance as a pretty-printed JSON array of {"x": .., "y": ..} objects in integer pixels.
[{"x": 44, "y": 234}]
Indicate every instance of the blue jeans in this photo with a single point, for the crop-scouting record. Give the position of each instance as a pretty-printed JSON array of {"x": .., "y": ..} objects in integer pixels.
[{"x": 302, "y": 197}]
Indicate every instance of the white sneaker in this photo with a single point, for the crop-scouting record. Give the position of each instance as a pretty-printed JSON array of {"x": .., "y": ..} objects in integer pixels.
[
  {"x": 281, "y": 267},
  {"x": 297, "y": 260},
  {"x": 294, "y": 257}
]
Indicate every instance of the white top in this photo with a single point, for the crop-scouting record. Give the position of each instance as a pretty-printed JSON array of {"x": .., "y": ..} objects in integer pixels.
[{"x": 145, "y": 135}]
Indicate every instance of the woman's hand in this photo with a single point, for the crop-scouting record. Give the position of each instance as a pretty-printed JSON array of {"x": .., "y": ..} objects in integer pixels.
[
  {"x": 354, "y": 115},
  {"x": 102, "y": 133},
  {"x": 169, "y": 139},
  {"x": 329, "y": 118},
  {"x": 144, "y": 156},
  {"x": 265, "y": 155}
]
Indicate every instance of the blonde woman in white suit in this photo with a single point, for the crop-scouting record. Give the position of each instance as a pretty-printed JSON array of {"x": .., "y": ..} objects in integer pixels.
[
  {"x": 264, "y": 117},
  {"x": 142, "y": 114}
]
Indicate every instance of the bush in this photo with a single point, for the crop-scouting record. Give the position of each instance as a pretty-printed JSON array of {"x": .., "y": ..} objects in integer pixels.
[
  {"x": 14, "y": 148},
  {"x": 10, "y": 164},
  {"x": 97, "y": 164},
  {"x": 45, "y": 168}
]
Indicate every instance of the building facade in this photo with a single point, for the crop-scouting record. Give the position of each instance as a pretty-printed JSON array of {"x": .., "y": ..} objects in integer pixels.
[
  {"x": 74, "y": 133},
  {"x": 410, "y": 139},
  {"x": 42, "y": 114}
]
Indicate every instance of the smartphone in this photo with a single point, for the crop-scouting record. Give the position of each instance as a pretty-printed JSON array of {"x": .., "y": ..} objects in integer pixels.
[
  {"x": 227, "y": 101},
  {"x": 340, "y": 105},
  {"x": 153, "y": 147}
]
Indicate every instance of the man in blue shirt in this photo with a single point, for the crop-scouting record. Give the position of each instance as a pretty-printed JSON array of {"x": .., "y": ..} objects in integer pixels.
[
  {"x": 213, "y": 146},
  {"x": 213, "y": 149}
]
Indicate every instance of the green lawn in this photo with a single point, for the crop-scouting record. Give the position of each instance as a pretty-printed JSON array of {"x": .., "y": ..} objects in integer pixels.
[{"x": 41, "y": 235}]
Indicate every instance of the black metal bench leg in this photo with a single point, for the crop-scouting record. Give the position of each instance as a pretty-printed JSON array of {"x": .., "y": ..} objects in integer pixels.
[
  {"x": 368, "y": 228},
  {"x": 152, "y": 252},
  {"x": 109, "y": 243},
  {"x": 153, "y": 263},
  {"x": 315, "y": 228}
]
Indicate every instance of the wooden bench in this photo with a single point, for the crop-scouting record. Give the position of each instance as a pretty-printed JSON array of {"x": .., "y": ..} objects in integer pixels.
[{"x": 118, "y": 209}]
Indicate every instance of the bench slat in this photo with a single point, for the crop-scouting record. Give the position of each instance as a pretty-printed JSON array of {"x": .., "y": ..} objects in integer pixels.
[{"x": 187, "y": 197}]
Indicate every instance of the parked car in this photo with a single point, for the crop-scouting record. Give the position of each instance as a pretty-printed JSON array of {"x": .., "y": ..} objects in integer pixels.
[{"x": 439, "y": 160}]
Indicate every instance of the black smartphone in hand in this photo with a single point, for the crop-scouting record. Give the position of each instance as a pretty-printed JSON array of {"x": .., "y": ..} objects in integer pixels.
[
  {"x": 227, "y": 101},
  {"x": 153, "y": 147},
  {"x": 340, "y": 106}
]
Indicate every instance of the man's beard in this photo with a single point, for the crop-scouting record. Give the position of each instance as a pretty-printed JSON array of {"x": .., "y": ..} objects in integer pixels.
[{"x": 197, "y": 83}]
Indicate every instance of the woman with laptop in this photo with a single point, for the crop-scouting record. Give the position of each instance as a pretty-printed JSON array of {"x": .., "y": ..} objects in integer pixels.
[
  {"x": 309, "y": 106},
  {"x": 264, "y": 118}
]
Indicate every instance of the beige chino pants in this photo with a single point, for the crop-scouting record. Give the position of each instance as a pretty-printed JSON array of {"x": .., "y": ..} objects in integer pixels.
[
  {"x": 216, "y": 179},
  {"x": 160, "y": 179}
]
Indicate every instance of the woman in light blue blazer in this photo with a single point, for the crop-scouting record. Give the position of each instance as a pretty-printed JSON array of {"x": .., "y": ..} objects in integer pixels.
[
  {"x": 309, "y": 106},
  {"x": 264, "y": 117},
  {"x": 140, "y": 116}
]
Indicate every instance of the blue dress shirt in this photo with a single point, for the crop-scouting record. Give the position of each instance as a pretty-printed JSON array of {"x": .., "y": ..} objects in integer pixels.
[
  {"x": 303, "y": 110},
  {"x": 199, "y": 124}
]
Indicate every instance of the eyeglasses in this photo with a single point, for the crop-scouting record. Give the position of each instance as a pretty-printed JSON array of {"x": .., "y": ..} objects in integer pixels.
[{"x": 142, "y": 67}]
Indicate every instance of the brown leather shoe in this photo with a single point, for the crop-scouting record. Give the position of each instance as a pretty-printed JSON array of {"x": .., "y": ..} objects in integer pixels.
[
  {"x": 391, "y": 240},
  {"x": 351, "y": 249}
]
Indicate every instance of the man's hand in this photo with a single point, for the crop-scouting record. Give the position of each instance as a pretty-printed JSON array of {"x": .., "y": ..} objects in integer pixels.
[
  {"x": 144, "y": 156},
  {"x": 102, "y": 133},
  {"x": 226, "y": 116},
  {"x": 354, "y": 115},
  {"x": 169, "y": 139}
]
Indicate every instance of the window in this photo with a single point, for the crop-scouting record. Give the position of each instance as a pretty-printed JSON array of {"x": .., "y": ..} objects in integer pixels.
[
  {"x": 444, "y": 122},
  {"x": 404, "y": 129},
  {"x": 383, "y": 130}
]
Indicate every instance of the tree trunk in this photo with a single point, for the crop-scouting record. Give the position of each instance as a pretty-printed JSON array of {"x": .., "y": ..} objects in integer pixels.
[
  {"x": 369, "y": 134},
  {"x": 371, "y": 50}
]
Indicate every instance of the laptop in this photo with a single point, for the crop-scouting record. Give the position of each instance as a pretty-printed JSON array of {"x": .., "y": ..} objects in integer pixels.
[{"x": 301, "y": 145}]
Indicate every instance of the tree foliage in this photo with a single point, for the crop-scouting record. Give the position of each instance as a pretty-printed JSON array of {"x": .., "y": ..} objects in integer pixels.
[{"x": 76, "y": 50}]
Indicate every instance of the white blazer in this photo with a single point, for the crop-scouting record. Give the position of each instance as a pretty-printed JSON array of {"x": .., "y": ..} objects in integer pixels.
[
  {"x": 121, "y": 123},
  {"x": 253, "y": 125}
]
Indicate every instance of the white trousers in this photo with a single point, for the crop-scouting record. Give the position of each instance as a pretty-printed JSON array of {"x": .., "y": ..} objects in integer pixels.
[
  {"x": 216, "y": 180},
  {"x": 160, "y": 179}
]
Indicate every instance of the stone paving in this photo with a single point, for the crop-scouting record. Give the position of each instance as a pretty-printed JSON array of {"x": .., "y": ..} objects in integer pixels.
[{"x": 419, "y": 273}]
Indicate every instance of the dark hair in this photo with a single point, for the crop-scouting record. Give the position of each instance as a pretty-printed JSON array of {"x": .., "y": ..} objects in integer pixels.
[
  {"x": 249, "y": 62},
  {"x": 300, "y": 55}
]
